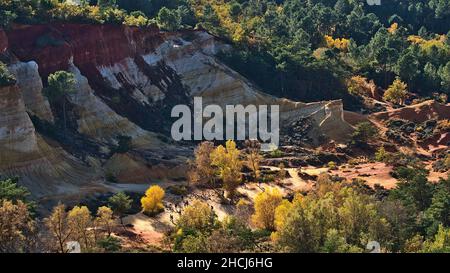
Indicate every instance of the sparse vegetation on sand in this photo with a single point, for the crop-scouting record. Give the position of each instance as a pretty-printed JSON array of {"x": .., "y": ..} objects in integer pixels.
[{"x": 335, "y": 215}]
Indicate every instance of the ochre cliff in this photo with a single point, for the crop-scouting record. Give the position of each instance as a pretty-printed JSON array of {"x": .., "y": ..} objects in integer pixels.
[
  {"x": 43, "y": 167},
  {"x": 127, "y": 81}
]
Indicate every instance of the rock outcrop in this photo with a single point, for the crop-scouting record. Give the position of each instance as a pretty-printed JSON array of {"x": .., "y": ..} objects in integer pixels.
[
  {"x": 17, "y": 134},
  {"x": 30, "y": 85},
  {"x": 128, "y": 79},
  {"x": 42, "y": 167}
]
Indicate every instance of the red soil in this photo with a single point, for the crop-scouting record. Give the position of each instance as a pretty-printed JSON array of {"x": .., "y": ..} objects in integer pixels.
[
  {"x": 417, "y": 113},
  {"x": 53, "y": 45},
  {"x": 354, "y": 118}
]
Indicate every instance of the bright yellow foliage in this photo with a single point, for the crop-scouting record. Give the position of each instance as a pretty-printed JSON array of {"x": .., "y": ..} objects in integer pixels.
[
  {"x": 339, "y": 43},
  {"x": 360, "y": 86},
  {"x": 80, "y": 219},
  {"x": 139, "y": 21},
  {"x": 80, "y": 216},
  {"x": 439, "y": 42},
  {"x": 197, "y": 216},
  {"x": 229, "y": 165},
  {"x": 105, "y": 219},
  {"x": 281, "y": 213},
  {"x": 152, "y": 201},
  {"x": 265, "y": 204},
  {"x": 222, "y": 8},
  {"x": 393, "y": 28},
  {"x": 415, "y": 39},
  {"x": 397, "y": 92}
]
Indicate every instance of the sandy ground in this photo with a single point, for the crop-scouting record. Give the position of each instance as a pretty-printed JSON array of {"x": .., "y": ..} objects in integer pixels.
[
  {"x": 372, "y": 173},
  {"x": 313, "y": 170},
  {"x": 436, "y": 176},
  {"x": 298, "y": 184},
  {"x": 151, "y": 230}
]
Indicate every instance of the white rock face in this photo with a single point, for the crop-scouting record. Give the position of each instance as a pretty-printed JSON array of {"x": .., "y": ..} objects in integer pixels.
[
  {"x": 199, "y": 69},
  {"x": 216, "y": 83},
  {"x": 30, "y": 84},
  {"x": 98, "y": 120},
  {"x": 127, "y": 68},
  {"x": 42, "y": 168},
  {"x": 17, "y": 134}
]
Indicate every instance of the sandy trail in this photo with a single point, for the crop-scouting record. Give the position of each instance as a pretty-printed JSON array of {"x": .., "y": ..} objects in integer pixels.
[
  {"x": 298, "y": 184},
  {"x": 294, "y": 182}
]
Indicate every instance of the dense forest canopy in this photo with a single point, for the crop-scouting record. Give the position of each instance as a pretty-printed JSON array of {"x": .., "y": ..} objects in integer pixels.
[{"x": 311, "y": 47}]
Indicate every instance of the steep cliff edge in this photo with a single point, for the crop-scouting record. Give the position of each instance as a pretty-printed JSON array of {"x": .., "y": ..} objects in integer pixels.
[
  {"x": 128, "y": 79},
  {"x": 43, "y": 167}
]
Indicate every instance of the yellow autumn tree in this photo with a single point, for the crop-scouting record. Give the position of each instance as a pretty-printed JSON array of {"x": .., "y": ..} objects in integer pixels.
[
  {"x": 265, "y": 204},
  {"x": 229, "y": 165},
  {"x": 17, "y": 228},
  {"x": 58, "y": 228},
  {"x": 197, "y": 216},
  {"x": 200, "y": 170},
  {"x": 339, "y": 43},
  {"x": 360, "y": 86},
  {"x": 229, "y": 17},
  {"x": 80, "y": 220},
  {"x": 253, "y": 157},
  {"x": 152, "y": 201},
  {"x": 393, "y": 28},
  {"x": 415, "y": 39},
  {"x": 397, "y": 92},
  {"x": 430, "y": 46},
  {"x": 281, "y": 213},
  {"x": 105, "y": 219}
]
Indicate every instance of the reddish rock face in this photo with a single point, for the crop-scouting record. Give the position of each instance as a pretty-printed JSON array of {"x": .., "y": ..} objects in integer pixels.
[
  {"x": 91, "y": 46},
  {"x": 95, "y": 48},
  {"x": 3, "y": 41}
]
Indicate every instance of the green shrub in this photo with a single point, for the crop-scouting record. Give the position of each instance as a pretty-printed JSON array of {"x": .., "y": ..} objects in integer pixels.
[
  {"x": 110, "y": 244},
  {"x": 364, "y": 133},
  {"x": 276, "y": 153},
  {"x": 381, "y": 155},
  {"x": 168, "y": 19},
  {"x": 6, "y": 18},
  {"x": 10, "y": 190},
  {"x": 6, "y": 78},
  {"x": 124, "y": 144},
  {"x": 137, "y": 19},
  {"x": 332, "y": 165}
]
